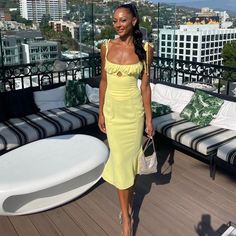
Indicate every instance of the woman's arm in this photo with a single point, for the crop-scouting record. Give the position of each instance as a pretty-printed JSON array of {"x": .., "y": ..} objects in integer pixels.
[
  {"x": 102, "y": 90},
  {"x": 146, "y": 92}
]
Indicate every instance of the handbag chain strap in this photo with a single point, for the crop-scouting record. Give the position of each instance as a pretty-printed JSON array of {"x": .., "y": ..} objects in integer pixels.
[{"x": 148, "y": 143}]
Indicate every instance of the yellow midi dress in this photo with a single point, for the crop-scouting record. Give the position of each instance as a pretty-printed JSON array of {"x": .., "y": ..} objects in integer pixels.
[{"x": 124, "y": 120}]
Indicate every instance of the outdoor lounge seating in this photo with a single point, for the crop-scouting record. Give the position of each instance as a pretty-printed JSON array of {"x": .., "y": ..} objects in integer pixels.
[
  {"x": 212, "y": 142},
  {"x": 17, "y": 131}
]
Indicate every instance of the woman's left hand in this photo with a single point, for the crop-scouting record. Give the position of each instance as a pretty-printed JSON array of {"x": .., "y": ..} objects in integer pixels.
[{"x": 149, "y": 130}]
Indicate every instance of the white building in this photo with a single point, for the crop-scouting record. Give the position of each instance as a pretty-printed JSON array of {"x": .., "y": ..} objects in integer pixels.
[
  {"x": 11, "y": 50},
  {"x": 40, "y": 51},
  {"x": 35, "y": 9},
  {"x": 200, "y": 40},
  {"x": 28, "y": 47}
]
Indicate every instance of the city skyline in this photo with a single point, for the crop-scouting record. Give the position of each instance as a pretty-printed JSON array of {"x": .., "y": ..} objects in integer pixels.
[{"x": 229, "y": 5}]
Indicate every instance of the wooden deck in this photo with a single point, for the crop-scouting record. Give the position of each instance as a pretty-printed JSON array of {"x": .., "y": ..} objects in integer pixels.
[{"x": 181, "y": 200}]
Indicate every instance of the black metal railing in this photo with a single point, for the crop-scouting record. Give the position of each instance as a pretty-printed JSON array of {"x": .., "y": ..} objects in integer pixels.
[
  {"x": 162, "y": 69},
  {"x": 44, "y": 73}
]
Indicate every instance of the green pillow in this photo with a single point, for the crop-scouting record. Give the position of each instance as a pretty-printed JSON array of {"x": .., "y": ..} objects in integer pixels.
[
  {"x": 75, "y": 93},
  {"x": 159, "y": 109},
  {"x": 202, "y": 108}
]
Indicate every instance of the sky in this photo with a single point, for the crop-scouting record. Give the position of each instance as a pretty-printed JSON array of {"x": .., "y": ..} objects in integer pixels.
[{"x": 220, "y": 4}]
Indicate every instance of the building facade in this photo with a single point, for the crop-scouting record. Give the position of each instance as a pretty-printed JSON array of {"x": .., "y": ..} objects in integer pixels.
[
  {"x": 201, "y": 39},
  {"x": 27, "y": 47},
  {"x": 35, "y": 9},
  {"x": 59, "y": 26}
]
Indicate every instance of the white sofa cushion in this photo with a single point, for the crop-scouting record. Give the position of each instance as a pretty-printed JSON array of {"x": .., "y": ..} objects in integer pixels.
[
  {"x": 226, "y": 117},
  {"x": 176, "y": 98},
  {"x": 50, "y": 99},
  {"x": 151, "y": 86}
]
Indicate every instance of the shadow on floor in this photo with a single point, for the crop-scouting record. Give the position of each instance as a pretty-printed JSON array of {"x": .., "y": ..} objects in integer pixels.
[
  {"x": 204, "y": 227},
  {"x": 165, "y": 157}
]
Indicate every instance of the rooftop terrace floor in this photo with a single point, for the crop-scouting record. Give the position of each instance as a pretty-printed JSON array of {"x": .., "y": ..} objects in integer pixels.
[{"x": 180, "y": 200}]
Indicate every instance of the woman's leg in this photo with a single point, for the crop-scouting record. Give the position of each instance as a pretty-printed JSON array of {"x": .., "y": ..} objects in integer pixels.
[{"x": 124, "y": 198}]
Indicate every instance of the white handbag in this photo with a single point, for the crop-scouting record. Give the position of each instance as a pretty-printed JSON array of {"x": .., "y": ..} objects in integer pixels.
[{"x": 148, "y": 163}]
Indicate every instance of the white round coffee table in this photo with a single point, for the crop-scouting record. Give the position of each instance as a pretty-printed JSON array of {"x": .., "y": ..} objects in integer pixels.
[{"x": 49, "y": 172}]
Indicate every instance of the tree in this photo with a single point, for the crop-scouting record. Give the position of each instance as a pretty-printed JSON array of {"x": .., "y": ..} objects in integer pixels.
[
  {"x": 17, "y": 17},
  {"x": 229, "y": 57}
]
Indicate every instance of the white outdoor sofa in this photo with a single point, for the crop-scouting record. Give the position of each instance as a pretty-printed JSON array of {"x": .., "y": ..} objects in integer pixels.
[{"x": 216, "y": 142}]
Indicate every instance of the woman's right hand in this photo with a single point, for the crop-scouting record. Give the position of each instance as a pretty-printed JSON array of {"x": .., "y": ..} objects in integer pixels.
[{"x": 101, "y": 123}]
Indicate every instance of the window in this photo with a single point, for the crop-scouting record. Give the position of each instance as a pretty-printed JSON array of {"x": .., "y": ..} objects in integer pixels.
[
  {"x": 169, "y": 44},
  {"x": 181, "y": 38},
  {"x": 208, "y": 38},
  {"x": 221, "y": 36},
  {"x": 212, "y": 51},
  {"x": 168, "y": 56},
  {"x": 187, "y": 58},
  {"x": 211, "y": 58},
  {"x": 188, "y": 45},
  {"x": 163, "y": 55},
  {"x": 162, "y": 49},
  {"x": 203, "y": 45},
  {"x": 217, "y": 37},
  {"x": 207, "y": 52},
  {"x": 207, "y": 58},
  {"x": 216, "y": 50},
  {"x": 195, "y": 38},
  {"x": 176, "y": 45},
  {"x": 181, "y": 51},
  {"x": 169, "y": 50},
  {"x": 215, "y": 57},
  {"x": 202, "y": 59},
  {"x": 187, "y": 52},
  {"x": 216, "y": 44},
  {"x": 163, "y": 36},
  {"x": 195, "y": 45},
  {"x": 228, "y": 36},
  {"x": 181, "y": 58},
  {"x": 176, "y": 37},
  {"x": 194, "y": 59},
  {"x": 220, "y": 44},
  {"x": 212, "y": 45},
  {"x": 188, "y": 38},
  {"x": 194, "y": 52},
  {"x": 207, "y": 45},
  {"x": 175, "y": 50},
  {"x": 163, "y": 43},
  {"x": 203, "y": 38},
  {"x": 225, "y": 36},
  {"x": 169, "y": 36},
  {"x": 203, "y": 53},
  {"x": 212, "y": 37},
  {"x": 181, "y": 45}
]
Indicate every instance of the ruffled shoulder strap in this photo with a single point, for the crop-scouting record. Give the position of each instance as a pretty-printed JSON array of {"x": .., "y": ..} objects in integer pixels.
[
  {"x": 107, "y": 44},
  {"x": 146, "y": 63}
]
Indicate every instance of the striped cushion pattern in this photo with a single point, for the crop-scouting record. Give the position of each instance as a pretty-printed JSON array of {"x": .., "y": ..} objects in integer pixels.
[
  {"x": 19, "y": 131},
  {"x": 227, "y": 152},
  {"x": 205, "y": 140}
]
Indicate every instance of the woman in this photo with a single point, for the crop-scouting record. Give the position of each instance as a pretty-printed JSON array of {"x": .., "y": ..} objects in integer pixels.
[{"x": 122, "y": 106}]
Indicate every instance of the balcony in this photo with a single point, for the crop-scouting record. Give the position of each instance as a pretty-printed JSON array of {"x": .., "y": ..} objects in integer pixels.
[
  {"x": 163, "y": 69},
  {"x": 180, "y": 200}
]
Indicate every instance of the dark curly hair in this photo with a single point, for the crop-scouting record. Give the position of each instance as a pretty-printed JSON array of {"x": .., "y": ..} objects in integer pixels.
[{"x": 137, "y": 34}]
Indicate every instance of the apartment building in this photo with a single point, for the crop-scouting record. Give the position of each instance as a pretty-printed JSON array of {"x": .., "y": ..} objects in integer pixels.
[
  {"x": 11, "y": 50},
  {"x": 35, "y": 9},
  {"x": 59, "y": 26},
  {"x": 40, "y": 51},
  {"x": 201, "y": 39},
  {"x": 27, "y": 47}
]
